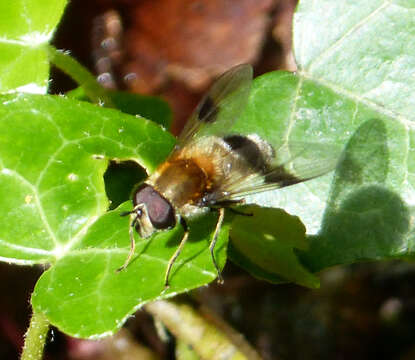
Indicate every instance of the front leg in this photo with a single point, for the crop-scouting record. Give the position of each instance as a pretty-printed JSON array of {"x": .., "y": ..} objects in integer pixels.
[{"x": 135, "y": 214}]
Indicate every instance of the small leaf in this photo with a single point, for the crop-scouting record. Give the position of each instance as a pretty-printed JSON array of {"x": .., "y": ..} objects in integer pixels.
[
  {"x": 149, "y": 107},
  {"x": 264, "y": 244},
  {"x": 71, "y": 67}
]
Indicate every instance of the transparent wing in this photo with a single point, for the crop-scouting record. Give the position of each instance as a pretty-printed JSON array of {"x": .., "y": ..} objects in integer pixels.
[
  {"x": 286, "y": 165},
  {"x": 221, "y": 105}
]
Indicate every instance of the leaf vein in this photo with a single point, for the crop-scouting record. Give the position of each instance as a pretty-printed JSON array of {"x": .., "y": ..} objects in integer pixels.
[
  {"x": 37, "y": 201},
  {"x": 26, "y": 249},
  {"x": 293, "y": 110},
  {"x": 369, "y": 103},
  {"x": 335, "y": 45}
]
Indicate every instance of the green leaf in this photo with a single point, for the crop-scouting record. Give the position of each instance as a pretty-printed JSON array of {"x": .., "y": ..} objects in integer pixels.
[
  {"x": 368, "y": 54},
  {"x": 364, "y": 219},
  {"x": 265, "y": 243},
  {"x": 150, "y": 107},
  {"x": 26, "y": 27},
  {"x": 54, "y": 152},
  {"x": 71, "y": 67},
  {"x": 85, "y": 297},
  {"x": 360, "y": 69},
  {"x": 120, "y": 177},
  {"x": 354, "y": 85}
]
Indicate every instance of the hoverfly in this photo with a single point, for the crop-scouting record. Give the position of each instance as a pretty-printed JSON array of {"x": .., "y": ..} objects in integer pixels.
[{"x": 213, "y": 168}]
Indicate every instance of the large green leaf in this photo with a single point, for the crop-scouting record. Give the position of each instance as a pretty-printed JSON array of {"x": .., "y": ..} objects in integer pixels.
[
  {"x": 354, "y": 85},
  {"x": 26, "y": 26},
  {"x": 85, "y": 296},
  {"x": 54, "y": 152},
  {"x": 364, "y": 219},
  {"x": 352, "y": 58}
]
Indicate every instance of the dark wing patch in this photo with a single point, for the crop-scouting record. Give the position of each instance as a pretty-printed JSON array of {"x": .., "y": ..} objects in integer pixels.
[
  {"x": 249, "y": 151},
  {"x": 289, "y": 164},
  {"x": 208, "y": 111},
  {"x": 281, "y": 176},
  {"x": 221, "y": 106}
]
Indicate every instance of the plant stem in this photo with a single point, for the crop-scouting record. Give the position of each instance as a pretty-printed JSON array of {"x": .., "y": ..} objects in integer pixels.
[
  {"x": 63, "y": 61},
  {"x": 35, "y": 337},
  {"x": 208, "y": 337}
]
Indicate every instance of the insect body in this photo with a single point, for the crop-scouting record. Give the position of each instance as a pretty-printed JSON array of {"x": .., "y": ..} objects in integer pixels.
[{"x": 213, "y": 168}]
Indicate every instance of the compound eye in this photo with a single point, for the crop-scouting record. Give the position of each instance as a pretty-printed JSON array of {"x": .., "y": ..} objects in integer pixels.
[{"x": 159, "y": 210}]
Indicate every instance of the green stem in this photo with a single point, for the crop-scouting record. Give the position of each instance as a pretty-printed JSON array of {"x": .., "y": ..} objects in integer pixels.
[
  {"x": 63, "y": 61},
  {"x": 35, "y": 337}
]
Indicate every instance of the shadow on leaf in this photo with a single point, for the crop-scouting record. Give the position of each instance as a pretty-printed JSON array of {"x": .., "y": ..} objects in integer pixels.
[{"x": 363, "y": 220}]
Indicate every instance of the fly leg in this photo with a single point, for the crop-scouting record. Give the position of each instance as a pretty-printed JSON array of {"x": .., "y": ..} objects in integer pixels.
[
  {"x": 211, "y": 247},
  {"x": 214, "y": 240},
  {"x": 134, "y": 215},
  {"x": 176, "y": 253}
]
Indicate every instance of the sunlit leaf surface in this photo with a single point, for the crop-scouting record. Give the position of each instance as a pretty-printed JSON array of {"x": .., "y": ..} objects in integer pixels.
[{"x": 26, "y": 26}]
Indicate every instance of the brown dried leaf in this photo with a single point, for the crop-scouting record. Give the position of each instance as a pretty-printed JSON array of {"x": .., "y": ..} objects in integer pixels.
[
  {"x": 192, "y": 41},
  {"x": 282, "y": 33}
]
